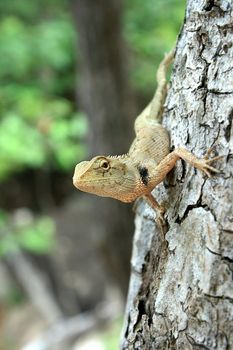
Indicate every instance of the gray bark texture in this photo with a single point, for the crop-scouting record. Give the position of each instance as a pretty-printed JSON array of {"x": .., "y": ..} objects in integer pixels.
[{"x": 181, "y": 288}]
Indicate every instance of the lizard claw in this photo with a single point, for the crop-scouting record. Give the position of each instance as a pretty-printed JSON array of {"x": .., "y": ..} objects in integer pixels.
[
  {"x": 160, "y": 216},
  {"x": 204, "y": 163},
  {"x": 162, "y": 223},
  {"x": 208, "y": 153}
]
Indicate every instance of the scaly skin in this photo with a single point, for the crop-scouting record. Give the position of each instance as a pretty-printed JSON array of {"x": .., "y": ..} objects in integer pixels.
[{"x": 148, "y": 161}]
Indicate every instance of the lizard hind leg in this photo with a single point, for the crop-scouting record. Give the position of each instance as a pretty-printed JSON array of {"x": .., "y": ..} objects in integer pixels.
[
  {"x": 150, "y": 199},
  {"x": 154, "y": 204}
]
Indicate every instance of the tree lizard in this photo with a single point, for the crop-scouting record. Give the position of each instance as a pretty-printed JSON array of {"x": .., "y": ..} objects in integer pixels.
[{"x": 148, "y": 161}]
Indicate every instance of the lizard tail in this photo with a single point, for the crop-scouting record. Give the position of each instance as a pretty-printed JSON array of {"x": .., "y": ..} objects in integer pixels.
[
  {"x": 154, "y": 111},
  {"x": 157, "y": 103}
]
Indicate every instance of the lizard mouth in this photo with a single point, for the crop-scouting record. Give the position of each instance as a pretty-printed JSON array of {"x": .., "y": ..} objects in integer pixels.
[{"x": 80, "y": 169}]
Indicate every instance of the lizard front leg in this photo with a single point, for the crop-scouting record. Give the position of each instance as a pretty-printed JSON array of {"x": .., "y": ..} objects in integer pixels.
[
  {"x": 158, "y": 174},
  {"x": 202, "y": 164},
  {"x": 162, "y": 169}
]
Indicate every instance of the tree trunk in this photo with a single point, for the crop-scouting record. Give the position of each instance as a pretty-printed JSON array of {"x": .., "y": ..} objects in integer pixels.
[
  {"x": 104, "y": 95},
  {"x": 181, "y": 290}
]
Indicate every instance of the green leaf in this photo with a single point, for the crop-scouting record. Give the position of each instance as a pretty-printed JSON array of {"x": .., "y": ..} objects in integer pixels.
[
  {"x": 68, "y": 154},
  {"x": 20, "y": 144},
  {"x": 39, "y": 237},
  {"x": 78, "y": 126},
  {"x": 8, "y": 245}
]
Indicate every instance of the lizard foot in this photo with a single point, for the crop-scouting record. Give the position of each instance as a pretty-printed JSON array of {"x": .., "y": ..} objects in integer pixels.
[
  {"x": 162, "y": 224},
  {"x": 160, "y": 214},
  {"x": 204, "y": 163},
  {"x": 159, "y": 209}
]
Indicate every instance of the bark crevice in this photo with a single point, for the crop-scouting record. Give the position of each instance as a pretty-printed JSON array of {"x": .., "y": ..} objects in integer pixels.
[{"x": 182, "y": 298}]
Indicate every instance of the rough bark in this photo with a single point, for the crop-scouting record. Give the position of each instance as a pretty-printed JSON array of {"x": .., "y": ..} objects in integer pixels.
[
  {"x": 181, "y": 289},
  {"x": 105, "y": 97}
]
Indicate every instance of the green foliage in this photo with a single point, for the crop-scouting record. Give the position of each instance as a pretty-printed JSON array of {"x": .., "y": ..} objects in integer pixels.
[
  {"x": 151, "y": 28},
  {"x": 14, "y": 297},
  {"x": 111, "y": 335},
  {"x": 39, "y": 123},
  {"x": 34, "y": 235},
  {"x": 20, "y": 144},
  {"x": 37, "y": 237},
  {"x": 31, "y": 144}
]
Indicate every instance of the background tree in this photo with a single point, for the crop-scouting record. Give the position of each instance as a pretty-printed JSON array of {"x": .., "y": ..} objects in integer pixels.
[
  {"x": 105, "y": 96},
  {"x": 180, "y": 293}
]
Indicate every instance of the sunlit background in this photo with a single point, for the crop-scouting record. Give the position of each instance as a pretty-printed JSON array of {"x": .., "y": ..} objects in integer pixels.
[{"x": 61, "y": 286}]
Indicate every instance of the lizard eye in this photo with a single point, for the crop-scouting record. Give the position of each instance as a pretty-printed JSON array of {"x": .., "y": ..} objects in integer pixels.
[{"x": 104, "y": 164}]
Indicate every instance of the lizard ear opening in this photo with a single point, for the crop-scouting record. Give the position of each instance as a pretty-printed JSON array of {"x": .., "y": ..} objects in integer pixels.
[{"x": 104, "y": 164}]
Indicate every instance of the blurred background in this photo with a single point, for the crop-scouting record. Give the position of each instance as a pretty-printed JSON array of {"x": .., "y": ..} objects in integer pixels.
[{"x": 74, "y": 75}]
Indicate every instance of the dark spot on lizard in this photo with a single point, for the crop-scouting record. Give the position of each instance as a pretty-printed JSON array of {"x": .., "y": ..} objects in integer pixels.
[{"x": 143, "y": 171}]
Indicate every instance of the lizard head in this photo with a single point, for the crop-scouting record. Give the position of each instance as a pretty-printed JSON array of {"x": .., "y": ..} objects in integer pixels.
[{"x": 106, "y": 177}]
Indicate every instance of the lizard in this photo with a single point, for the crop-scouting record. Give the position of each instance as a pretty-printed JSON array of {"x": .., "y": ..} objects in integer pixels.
[{"x": 135, "y": 174}]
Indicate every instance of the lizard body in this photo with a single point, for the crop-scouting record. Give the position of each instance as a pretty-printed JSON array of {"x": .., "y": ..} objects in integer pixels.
[{"x": 148, "y": 161}]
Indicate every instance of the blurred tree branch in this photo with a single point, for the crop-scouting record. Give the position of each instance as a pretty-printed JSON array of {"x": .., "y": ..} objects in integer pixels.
[{"x": 105, "y": 95}]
